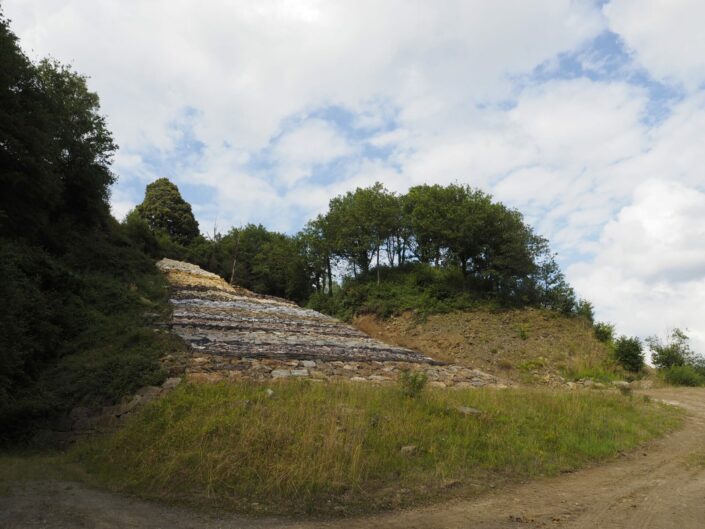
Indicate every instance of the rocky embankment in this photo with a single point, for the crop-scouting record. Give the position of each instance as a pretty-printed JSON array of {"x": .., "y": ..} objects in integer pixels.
[{"x": 237, "y": 334}]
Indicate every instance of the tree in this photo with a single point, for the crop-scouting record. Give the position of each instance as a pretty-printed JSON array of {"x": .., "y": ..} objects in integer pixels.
[
  {"x": 360, "y": 222},
  {"x": 674, "y": 351},
  {"x": 55, "y": 149},
  {"x": 167, "y": 212},
  {"x": 629, "y": 353},
  {"x": 604, "y": 331}
]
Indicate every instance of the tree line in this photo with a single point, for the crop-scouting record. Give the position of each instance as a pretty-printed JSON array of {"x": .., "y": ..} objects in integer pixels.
[{"x": 366, "y": 234}]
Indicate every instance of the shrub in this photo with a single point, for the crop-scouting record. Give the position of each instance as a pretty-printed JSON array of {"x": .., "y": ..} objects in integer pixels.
[
  {"x": 604, "y": 331},
  {"x": 675, "y": 351},
  {"x": 412, "y": 383},
  {"x": 629, "y": 353},
  {"x": 684, "y": 375}
]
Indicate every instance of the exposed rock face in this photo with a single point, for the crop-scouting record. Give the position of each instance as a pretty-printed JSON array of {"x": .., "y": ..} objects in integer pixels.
[
  {"x": 220, "y": 320},
  {"x": 235, "y": 333}
]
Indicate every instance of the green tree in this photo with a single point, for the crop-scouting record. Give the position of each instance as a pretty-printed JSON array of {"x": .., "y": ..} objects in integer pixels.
[
  {"x": 629, "y": 353},
  {"x": 674, "y": 351},
  {"x": 360, "y": 222},
  {"x": 55, "y": 149},
  {"x": 165, "y": 211}
]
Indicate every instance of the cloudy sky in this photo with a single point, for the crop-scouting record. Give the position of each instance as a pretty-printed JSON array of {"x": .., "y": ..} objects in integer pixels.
[{"x": 588, "y": 116}]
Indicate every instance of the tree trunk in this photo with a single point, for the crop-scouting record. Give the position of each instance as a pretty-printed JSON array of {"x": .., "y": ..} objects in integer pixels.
[
  {"x": 232, "y": 273},
  {"x": 378, "y": 265}
]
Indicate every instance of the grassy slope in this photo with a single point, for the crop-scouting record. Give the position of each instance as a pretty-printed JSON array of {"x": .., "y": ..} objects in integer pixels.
[
  {"x": 522, "y": 344},
  {"x": 337, "y": 448}
]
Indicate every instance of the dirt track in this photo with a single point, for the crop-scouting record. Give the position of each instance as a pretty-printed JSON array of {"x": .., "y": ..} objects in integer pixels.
[{"x": 659, "y": 487}]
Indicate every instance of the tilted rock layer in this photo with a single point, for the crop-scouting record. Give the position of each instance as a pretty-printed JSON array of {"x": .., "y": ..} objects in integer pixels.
[{"x": 235, "y": 333}]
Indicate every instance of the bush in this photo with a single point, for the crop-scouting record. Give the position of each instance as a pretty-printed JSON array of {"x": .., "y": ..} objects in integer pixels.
[
  {"x": 675, "y": 351},
  {"x": 684, "y": 375},
  {"x": 604, "y": 331},
  {"x": 629, "y": 353},
  {"x": 412, "y": 383}
]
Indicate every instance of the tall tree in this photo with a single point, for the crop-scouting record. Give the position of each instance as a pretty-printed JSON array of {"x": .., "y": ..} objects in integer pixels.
[
  {"x": 167, "y": 212},
  {"x": 360, "y": 222},
  {"x": 55, "y": 149}
]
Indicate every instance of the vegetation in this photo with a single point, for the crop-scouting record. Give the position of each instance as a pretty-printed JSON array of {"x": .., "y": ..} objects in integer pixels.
[
  {"x": 629, "y": 353},
  {"x": 440, "y": 248},
  {"x": 167, "y": 213},
  {"x": 604, "y": 332},
  {"x": 74, "y": 288},
  {"x": 684, "y": 375},
  {"x": 679, "y": 364},
  {"x": 338, "y": 448},
  {"x": 525, "y": 345}
]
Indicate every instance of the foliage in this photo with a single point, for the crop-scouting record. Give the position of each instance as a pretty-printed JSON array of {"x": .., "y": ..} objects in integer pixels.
[
  {"x": 75, "y": 286},
  {"x": 604, "y": 331},
  {"x": 336, "y": 448},
  {"x": 165, "y": 211},
  {"x": 684, "y": 375},
  {"x": 584, "y": 309},
  {"x": 55, "y": 150},
  {"x": 675, "y": 351},
  {"x": 412, "y": 383},
  {"x": 629, "y": 354}
]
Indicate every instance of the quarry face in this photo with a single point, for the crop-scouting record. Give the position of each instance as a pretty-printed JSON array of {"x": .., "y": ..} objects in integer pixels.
[{"x": 234, "y": 333}]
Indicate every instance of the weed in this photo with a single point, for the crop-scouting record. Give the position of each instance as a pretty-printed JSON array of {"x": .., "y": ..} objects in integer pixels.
[{"x": 412, "y": 383}]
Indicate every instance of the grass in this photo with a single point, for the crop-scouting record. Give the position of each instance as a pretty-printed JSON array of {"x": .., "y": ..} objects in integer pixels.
[
  {"x": 523, "y": 345},
  {"x": 696, "y": 461},
  {"x": 685, "y": 375},
  {"x": 337, "y": 448}
]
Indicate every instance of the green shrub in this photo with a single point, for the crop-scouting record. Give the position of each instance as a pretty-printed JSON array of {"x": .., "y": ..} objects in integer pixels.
[
  {"x": 684, "y": 375},
  {"x": 412, "y": 383},
  {"x": 675, "y": 351},
  {"x": 629, "y": 353},
  {"x": 604, "y": 331}
]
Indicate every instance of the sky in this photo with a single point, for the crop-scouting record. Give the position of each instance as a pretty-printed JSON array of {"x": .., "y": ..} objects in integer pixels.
[{"x": 587, "y": 116}]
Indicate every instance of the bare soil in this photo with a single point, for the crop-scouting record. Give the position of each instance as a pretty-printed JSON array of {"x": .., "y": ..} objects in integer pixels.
[
  {"x": 660, "y": 486},
  {"x": 525, "y": 345}
]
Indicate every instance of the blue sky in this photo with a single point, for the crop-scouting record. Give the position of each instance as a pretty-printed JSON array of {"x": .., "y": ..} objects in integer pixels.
[{"x": 587, "y": 116}]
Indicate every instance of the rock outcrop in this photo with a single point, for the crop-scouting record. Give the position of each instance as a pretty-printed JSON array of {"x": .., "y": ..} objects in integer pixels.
[{"x": 235, "y": 334}]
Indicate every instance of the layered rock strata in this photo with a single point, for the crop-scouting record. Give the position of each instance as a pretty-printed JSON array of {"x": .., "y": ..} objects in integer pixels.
[{"x": 235, "y": 333}]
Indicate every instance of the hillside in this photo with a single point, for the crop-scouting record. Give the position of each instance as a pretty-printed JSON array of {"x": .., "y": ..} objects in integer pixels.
[
  {"x": 237, "y": 334},
  {"x": 524, "y": 345}
]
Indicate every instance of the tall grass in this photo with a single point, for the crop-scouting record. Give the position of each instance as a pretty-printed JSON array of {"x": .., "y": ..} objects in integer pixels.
[{"x": 325, "y": 448}]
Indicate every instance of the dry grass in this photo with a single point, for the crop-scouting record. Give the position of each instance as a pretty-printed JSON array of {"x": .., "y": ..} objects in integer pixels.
[
  {"x": 337, "y": 448},
  {"x": 522, "y": 345}
]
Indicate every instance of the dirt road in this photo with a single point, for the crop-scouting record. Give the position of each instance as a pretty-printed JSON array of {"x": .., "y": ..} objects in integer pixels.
[{"x": 659, "y": 487}]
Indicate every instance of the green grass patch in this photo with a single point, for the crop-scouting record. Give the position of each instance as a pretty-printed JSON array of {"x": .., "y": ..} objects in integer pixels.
[
  {"x": 337, "y": 448},
  {"x": 605, "y": 374},
  {"x": 684, "y": 375}
]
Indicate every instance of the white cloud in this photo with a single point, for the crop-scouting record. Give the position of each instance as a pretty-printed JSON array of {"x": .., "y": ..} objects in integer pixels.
[
  {"x": 649, "y": 272},
  {"x": 443, "y": 88},
  {"x": 299, "y": 150},
  {"x": 666, "y": 36},
  {"x": 247, "y": 66}
]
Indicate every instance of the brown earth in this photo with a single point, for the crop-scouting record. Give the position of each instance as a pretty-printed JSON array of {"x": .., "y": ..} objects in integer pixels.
[
  {"x": 532, "y": 346},
  {"x": 660, "y": 486}
]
